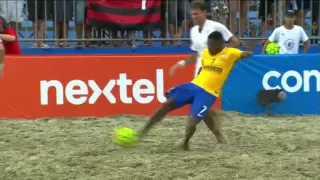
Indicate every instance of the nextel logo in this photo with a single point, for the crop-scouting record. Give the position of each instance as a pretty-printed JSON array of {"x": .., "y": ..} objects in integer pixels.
[{"x": 76, "y": 92}]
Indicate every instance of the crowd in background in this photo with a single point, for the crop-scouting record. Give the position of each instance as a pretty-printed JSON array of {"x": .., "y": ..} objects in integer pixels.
[{"x": 176, "y": 20}]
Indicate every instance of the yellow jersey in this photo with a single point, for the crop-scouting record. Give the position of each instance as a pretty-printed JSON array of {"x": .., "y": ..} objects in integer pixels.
[{"x": 215, "y": 69}]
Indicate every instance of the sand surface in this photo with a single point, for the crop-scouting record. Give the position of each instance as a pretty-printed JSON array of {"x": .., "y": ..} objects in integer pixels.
[{"x": 274, "y": 148}]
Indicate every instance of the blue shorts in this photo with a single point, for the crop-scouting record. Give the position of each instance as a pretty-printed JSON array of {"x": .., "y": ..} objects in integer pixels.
[{"x": 201, "y": 101}]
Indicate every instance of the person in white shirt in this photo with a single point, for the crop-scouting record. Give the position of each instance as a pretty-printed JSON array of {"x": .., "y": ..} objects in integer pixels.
[
  {"x": 199, "y": 35},
  {"x": 289, "y": 36},
  {"x": 12, "y": 11}
]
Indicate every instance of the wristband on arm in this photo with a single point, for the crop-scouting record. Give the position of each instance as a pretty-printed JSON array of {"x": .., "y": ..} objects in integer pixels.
[{"x": 182, "y": 62}]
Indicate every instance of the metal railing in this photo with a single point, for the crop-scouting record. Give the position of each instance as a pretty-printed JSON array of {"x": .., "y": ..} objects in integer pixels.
[{"x": 62, "y": 21}]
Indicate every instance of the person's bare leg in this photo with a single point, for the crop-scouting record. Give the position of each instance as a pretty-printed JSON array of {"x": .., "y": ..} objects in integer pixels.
[
  {"x": 243, "y": 16},
  {"x": 114, "y": 35},
  {"x": 163, "y": 30},
  {"x": 263, "y": 32},
  {"x": 57, "y": 33},
  {"x": 88, "y": 34},
  {"x": 42, "y": 29},
  {"x": 99, "y": 36},
  {"x": 123, "y": 43},
  {"x": 15, "y": 25},
  {"x": 35, "y": 25},
  {"x": 157, "y": 117},
  {"x": 213, "y": 122},
  {"x": 184, "y": 26},
  {"x": 233, "y": 15},
  {"x": 1, "y": 58},
  {"x": 65, "y": 33},
  {"x": 147, "y": 35},
  {"x": 172, "y": 31},
  {"x": 300, "y": 17},
  {"x": 190, "y": 130},
  {"x": 79, "y": 32}
]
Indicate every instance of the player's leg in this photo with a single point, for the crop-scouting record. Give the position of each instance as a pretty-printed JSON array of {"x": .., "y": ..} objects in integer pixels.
[
  {"x": 213, "y": 122},
  {"x": 191, "y": 127},
  {"x": 202, "y": 102},
  {"x": 177, "y": 97},
  {"x": 158, "y": 116}
]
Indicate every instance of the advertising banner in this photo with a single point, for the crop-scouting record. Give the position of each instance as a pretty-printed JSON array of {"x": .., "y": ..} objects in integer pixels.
[
  {"x": 103, "y": 85},
  {"x": 298, "y": 75},
  {"x": 88, "y": 85}
]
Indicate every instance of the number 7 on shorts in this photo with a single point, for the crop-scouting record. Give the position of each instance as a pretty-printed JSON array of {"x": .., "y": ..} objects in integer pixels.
[{"x": 203, "y": 110}]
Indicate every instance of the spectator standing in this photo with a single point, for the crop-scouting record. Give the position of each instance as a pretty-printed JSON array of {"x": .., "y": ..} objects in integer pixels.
[
  {"x": 12, "y": 10},
  {"x": 62, "y": 14},
  {"x": 80, "y": 16},
  {"x": 265, "y": 10},
  {"x": 289, "y": 36},
  {"x": 199, "y": 36},
  {"x": 302, "y": 7},
  {"x": 175, "y": 8},
  {"x": 9, "y": 38},
  {"x": 241, "y": 6},
  {"x": 38, "y": 11}
]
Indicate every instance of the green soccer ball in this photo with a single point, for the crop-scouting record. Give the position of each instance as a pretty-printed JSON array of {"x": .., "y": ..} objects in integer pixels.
[
  {"x": 272, "y": 48},
  {"x": 124, "y": 136}
]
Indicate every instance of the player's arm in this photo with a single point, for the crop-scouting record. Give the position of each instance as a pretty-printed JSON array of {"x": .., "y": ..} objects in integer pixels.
[
  {"x": 7, "y": 37},
  {"x": 189, "y": 60},
  {"x": 232, "y": 40},
  {"x": 239, "y": 55},
  {"x": 273, "y": 38},
  {"x": 245, "y": 54},
  {"x": 193, "y": 57},
  {"x": 305, "y": 40}
]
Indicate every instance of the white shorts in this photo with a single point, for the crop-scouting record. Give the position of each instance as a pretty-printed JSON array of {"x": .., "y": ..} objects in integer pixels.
[{"x": 12, "y": 10}]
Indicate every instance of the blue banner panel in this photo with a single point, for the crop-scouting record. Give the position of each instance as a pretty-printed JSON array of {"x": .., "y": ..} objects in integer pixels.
[{"x": 298, "y": 75}]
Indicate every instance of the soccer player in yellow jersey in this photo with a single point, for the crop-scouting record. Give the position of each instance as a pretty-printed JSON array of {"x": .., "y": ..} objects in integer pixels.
[{"x": 202, "y": 91}]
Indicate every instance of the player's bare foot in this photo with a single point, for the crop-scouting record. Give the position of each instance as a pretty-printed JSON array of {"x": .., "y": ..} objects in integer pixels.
[
  {"x": 185, "y": 146},
  {"x": 141, "y": 135},
  {"x": 221, "y": 141},
  {"x": 220, "y": 137}
]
